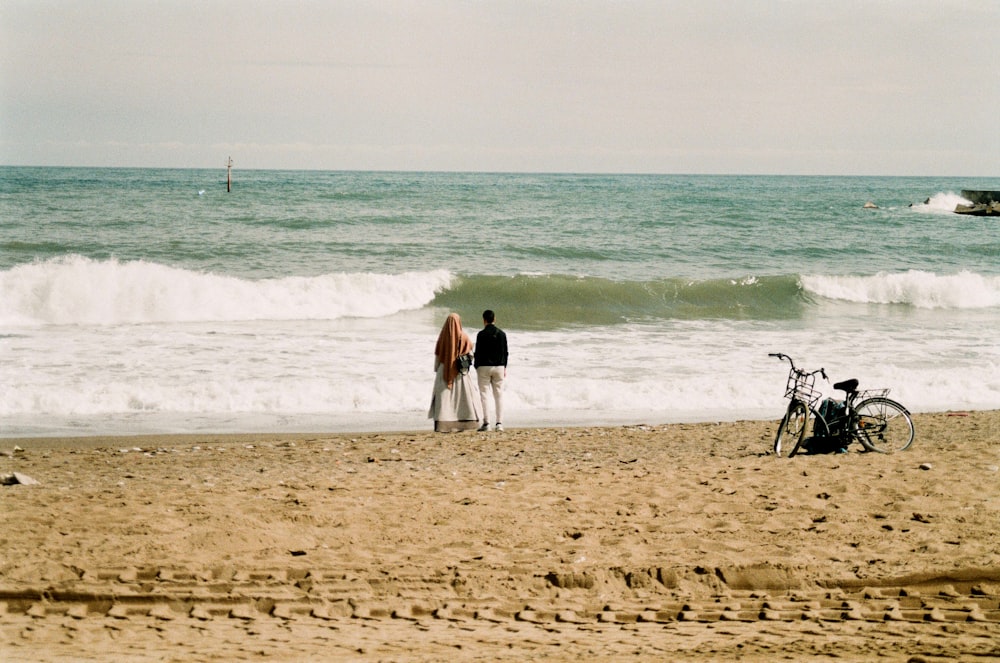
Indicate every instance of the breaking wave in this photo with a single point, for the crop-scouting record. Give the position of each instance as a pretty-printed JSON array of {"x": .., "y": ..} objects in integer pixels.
[
  {"x": 79, "y": 290},
  {"x": 963, "y": 290}
]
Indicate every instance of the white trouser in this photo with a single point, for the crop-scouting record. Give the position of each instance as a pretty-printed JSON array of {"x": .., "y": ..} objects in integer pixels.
[{"x": 491, "y": 376}]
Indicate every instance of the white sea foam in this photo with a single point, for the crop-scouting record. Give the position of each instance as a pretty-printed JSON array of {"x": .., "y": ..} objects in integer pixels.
[
  {"x": 963, "y": 290},
  {"x": 351, "y": 374},
  {"x": 78, "y": 290},
  {"x": 941, "y": 202},
  {"x": 230, "y": 370}
]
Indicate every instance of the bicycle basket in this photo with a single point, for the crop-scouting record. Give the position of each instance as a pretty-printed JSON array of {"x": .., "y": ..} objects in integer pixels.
[{"x": 801, "y": 387}]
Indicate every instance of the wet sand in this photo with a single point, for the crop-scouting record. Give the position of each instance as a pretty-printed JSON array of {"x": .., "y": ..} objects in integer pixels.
[{"x": 652, "y": 542}]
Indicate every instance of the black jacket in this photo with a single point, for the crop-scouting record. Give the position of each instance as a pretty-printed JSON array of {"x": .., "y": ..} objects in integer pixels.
[{"x": 491, "y": 347}]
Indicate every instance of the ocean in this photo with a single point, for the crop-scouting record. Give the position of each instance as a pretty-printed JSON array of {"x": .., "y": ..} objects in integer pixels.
[{"x": 153, "y": 301}]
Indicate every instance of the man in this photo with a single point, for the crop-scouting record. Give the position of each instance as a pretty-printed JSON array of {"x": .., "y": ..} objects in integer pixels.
[{"x": 491, "y": 367}]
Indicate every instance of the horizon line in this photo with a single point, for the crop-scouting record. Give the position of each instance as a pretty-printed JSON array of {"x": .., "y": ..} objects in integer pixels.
[{"x": 494, "y": 172}]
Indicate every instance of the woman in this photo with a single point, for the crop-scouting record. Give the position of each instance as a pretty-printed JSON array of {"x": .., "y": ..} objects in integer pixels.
[{"x": 454, "y": 406}]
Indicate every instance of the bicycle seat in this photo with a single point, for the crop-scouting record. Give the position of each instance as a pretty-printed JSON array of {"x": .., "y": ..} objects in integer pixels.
[{"x": 850, "y": 386}]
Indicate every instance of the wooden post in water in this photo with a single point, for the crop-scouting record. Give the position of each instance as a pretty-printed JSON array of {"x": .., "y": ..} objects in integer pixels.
[{"x": 229, "y": 175}]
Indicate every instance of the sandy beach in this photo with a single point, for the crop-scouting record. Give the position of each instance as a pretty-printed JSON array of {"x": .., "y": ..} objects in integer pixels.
[{"x": 647, "y": 542}]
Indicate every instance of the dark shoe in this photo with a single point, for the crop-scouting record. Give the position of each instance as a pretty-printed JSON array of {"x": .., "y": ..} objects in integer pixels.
[{"x": 485, "y": 427}]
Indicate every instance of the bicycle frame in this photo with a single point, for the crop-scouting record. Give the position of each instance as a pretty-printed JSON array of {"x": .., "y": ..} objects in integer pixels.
[{"x": 845, "y": 420}]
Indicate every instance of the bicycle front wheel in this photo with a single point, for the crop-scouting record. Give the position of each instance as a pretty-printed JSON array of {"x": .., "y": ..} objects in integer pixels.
[
  {"x": 883, "y": 425},
  {"x": 792, "y": 429}
]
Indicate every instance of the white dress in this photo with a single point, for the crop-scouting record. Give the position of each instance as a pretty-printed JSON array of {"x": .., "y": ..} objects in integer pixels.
[{"x": 454, "y": 409}]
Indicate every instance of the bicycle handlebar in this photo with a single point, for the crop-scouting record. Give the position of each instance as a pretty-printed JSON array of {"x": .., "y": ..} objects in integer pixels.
[{"x": 782, "y": 356}]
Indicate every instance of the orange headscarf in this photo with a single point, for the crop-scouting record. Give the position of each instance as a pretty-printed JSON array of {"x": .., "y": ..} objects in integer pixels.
[{"x": 451, "y": 344}]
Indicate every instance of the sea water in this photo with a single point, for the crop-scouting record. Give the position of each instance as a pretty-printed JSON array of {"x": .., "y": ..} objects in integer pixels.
[{"x": 145, "y": 300}]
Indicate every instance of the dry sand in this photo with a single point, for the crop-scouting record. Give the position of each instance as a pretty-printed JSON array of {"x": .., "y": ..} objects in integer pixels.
[{"x": 674, "y": 542}]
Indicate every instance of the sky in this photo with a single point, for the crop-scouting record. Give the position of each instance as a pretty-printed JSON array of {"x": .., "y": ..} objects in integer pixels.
[{"x": 832, "y": 87}]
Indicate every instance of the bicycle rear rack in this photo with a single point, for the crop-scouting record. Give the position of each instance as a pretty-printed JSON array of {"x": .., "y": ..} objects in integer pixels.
[{"x": 870, "y": 393}]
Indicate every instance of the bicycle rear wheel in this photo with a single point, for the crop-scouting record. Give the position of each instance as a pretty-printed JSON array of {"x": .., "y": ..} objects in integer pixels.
[
  {"x": 883, "y": 425},
  {"x": 792, "y": 429}
]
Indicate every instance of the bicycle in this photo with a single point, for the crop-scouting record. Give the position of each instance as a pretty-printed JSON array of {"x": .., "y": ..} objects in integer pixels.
[{"x": 868, "y": 416}]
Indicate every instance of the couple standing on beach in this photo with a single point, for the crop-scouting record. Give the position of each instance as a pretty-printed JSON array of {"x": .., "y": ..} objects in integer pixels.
[{"x": 454, "y": 406}]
